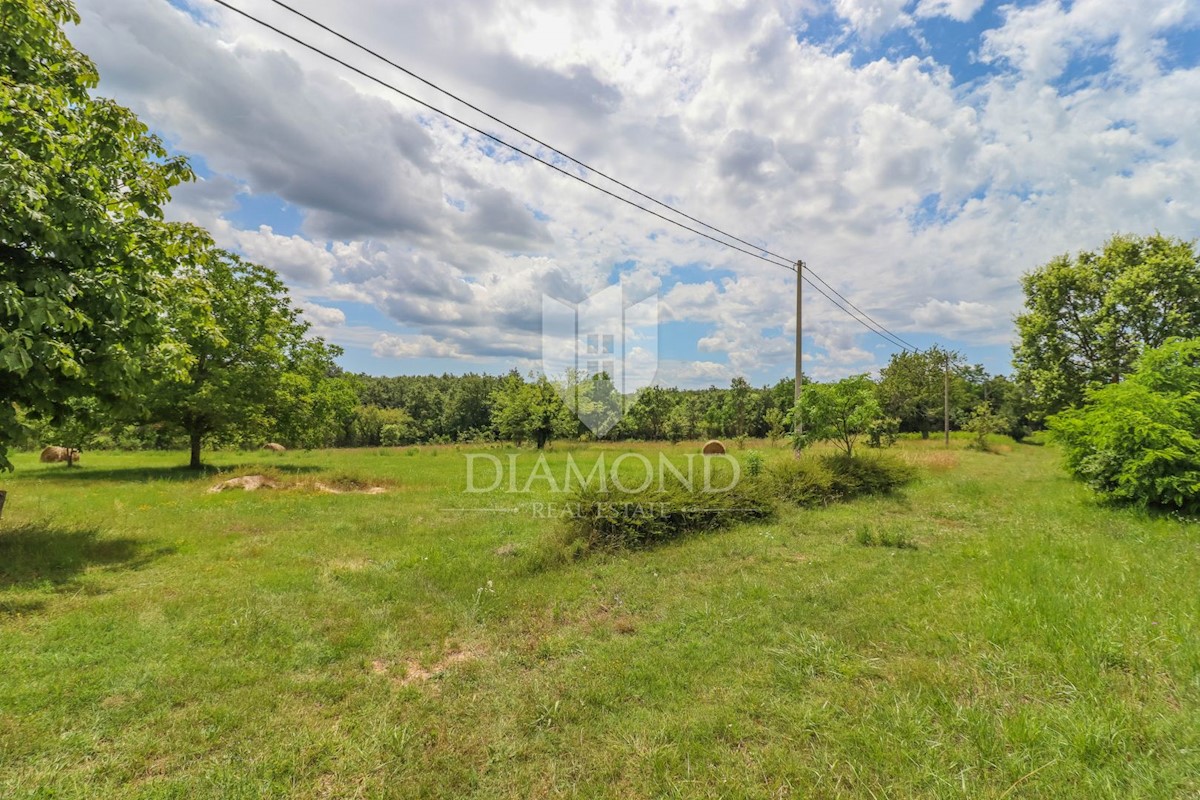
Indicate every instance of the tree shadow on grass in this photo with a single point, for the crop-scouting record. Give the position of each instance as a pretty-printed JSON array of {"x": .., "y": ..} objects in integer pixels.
[
  {"x": 46, "y": 555},
  {"x": 181, "y": 474}
]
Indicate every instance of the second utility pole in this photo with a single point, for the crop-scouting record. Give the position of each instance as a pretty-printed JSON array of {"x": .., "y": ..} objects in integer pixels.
[{"x": 799, "y": 342}]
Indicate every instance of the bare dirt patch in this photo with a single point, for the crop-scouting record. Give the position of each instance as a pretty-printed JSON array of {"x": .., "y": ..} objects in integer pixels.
[{"x": 414, "y": 672}]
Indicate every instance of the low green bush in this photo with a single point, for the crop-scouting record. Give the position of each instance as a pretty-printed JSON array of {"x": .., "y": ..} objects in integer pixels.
[
  {"x": 866, "y": 475},
  {"x": 810, "y": 482},
  {"x": 609, "y": 520},
  {"x": 805, "y": 482},
  {"x": 1137, "y": 441}
]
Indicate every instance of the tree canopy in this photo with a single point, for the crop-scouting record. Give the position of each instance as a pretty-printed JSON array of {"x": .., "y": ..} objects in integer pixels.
[
  {"x": 839, "y": 412},
  {"x": 912, "y": 387},
  {"x": 85, "y": 258},
  {"x": 1088, "y": 318},
  {"x": 251, "y": 370}
]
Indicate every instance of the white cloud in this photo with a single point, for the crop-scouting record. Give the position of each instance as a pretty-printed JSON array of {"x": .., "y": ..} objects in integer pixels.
[
  {"x": 871, "y": 19},
  {"x": 961, "y": 10},
  {"x": 392, "y": 346},
  {"x": 892, "y": 181},
  {"x": 323, "y": 316},
  {"x": 693, "y": 374}
]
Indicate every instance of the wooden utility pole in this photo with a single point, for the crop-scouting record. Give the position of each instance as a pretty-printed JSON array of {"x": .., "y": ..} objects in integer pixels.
[
  {"x": 946, "y": 401},
  {"x": 799, "y": 342}
]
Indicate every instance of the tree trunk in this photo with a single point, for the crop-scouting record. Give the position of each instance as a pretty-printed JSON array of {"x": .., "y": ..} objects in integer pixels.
[
  {"x": 541, "y": 440},
  {"x": 195, "y": 463},
  {"x": 3, "y": 497}
]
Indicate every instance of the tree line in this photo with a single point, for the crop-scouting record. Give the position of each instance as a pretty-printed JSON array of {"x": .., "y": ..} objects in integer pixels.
[{"x": 344, "y": 410}]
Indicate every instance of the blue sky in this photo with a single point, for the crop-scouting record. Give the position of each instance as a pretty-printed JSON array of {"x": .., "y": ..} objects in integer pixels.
[{"x": 920, "y": 155}]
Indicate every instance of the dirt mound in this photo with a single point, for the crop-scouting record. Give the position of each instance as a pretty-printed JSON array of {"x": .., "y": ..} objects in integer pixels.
[{"x": 251, "y": 483}]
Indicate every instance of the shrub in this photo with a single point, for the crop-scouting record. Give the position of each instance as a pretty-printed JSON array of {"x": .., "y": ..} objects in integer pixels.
[
  {"x": 983, "y": 422},
  {"x": 1136, "y": 441},
  {"x": 803, "y": 482},
  {"x": 754, "y": 463},
  {"x": 865, "y": 475},
  {"x": 610, "y": 520}
]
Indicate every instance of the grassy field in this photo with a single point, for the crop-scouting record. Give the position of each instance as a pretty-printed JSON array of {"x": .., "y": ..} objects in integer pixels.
[{"x": 157, "y": 640}]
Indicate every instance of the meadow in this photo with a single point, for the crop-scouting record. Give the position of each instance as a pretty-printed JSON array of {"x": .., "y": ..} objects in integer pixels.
[{"x": 161, "y": 641}]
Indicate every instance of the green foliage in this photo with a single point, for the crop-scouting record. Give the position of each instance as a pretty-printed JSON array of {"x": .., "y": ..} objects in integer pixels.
[
  {"x": 866, "y": 474},
  {"x": 817, "y": 481},
  {"x": 775, "y": 419},
  {"x": 883, "y": 432},
  {"x": 367, "y": 427},
  {"x": 805, "y": 482},
  {"x": 754, "y": 463},
  {"x": 251, "y": 369},
  {"x": 1088, "y": 318},
  {"x": 839, "y": 412},
  {"x": 610, "y": 520},
  {"x": 912, "y": 387},
  {"x": 85, "y": 260},
  {"x": 982, "y": 423},
  {"x": 314, "y": 403},
  {"x": 1137, "y": 441},
  {"x": 535, "y": 410}
]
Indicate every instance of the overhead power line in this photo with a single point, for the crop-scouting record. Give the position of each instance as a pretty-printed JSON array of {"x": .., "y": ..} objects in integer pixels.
[
  {"x": 786, "y": 262},
  {"x": 758, "y": 251}
]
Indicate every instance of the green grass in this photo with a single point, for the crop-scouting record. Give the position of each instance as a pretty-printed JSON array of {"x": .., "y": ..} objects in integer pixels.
[{"x": 160, "y": 641}]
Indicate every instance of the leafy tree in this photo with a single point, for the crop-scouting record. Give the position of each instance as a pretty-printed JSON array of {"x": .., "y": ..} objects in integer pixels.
[
  {"x": 982, "y": 423},
  {"x": 508, "y": 411},
  {"x": 248, "y": 359},
  {"x": 912, "y": 387},
  {"x": 738, "y": 405},
  {"x": 370, "y": 422},
  {"x": 676, "y": 426},
  {"x": 85, "y": 260},
  {"x": 839, "y": 412},
  {"x": 534, "y": 410},
  {"x": 650, "y": 410},
  {"x": 314, "y": 403},
  {"x": 1139, "y": 441},
  {"x": 1088, "y": 318}
]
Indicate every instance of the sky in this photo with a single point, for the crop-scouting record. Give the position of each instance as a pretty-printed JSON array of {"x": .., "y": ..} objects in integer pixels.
[{"x": 918, "y": 155}]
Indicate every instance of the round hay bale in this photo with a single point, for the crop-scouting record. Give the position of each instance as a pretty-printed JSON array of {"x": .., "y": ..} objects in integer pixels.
[
  {"x": 713, "y": 448},
  {"x": 274, "y": 447},
  {"x": 54, "y": 454}
]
